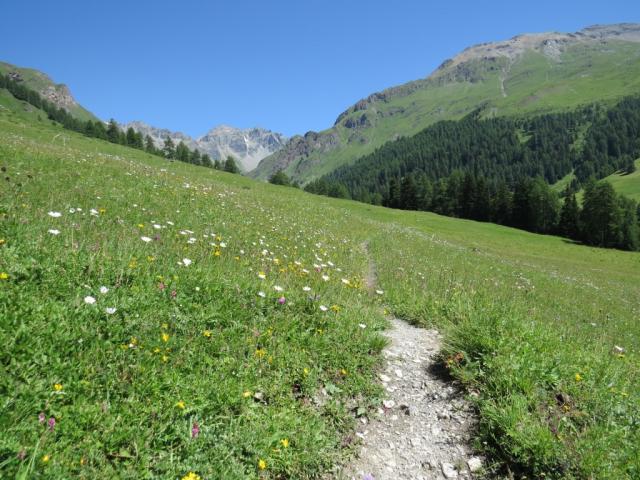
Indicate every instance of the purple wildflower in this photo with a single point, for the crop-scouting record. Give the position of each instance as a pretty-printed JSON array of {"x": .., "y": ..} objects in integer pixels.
[
  {"x": 195, "y": 430},
  {"x": 52, "y": 423},
  {"x": 282, "y": 300}
]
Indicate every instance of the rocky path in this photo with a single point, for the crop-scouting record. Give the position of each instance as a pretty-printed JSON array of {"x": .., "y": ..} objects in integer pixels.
[{"x": 422, "y": 429}]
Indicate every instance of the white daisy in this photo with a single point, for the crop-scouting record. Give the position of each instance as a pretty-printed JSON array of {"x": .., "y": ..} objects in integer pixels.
[
  {"x": 110, "y": 310},
  {"x": 55, "y": 214},
  {"x": 89, "y": 300},
  {"x": 104, "y": 290},
  {"x": 54, "y": 231},
  {"x": 145, "y": 239}
]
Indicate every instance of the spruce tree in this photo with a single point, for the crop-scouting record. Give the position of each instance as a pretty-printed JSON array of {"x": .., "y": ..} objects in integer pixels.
[
  {"x": 113, "y": 132},
  {"x": 230, "y": 165},
  {"x": 569, "y": 224},
  {"x": 168, "y": 150}
]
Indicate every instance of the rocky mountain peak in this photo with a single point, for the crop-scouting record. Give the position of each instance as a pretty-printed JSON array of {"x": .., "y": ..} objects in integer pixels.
[{"x": 247, "y": 146}]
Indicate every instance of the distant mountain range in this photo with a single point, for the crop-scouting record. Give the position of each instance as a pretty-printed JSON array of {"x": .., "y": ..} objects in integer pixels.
[
  {"x": 532, "y": 73},
  {"x": 247, "y": 146}
]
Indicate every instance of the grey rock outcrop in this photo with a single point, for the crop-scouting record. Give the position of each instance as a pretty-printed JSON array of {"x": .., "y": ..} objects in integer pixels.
[{"x": 247, "y": 146}]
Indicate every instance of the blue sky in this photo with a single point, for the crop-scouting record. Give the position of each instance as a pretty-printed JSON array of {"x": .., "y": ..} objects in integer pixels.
[{"x": 291, "y": 66}]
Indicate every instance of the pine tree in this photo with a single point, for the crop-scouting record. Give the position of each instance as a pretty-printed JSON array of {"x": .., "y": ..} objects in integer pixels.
[
  {"x": 629, "y": 227},
  {"x": 205, "y": 160},
  {"x": 601, "y": 215},
  {"x": 408, "y": 196},
  {"x": 168, "y": 150},
  {"x": 230, "y": 165},
  {"x": 113, "y": 132},
  {"x": 569, "y": 224},
  {"x": 182, "y": 152},
  {"x": 196, "y": 159},
  {"x": 149, "y": 145},
  {"x": 279, "y": 178},
  {"x": 393, "y": 195}
]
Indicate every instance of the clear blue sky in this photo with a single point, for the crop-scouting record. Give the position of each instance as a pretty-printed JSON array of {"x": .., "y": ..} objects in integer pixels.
[{"x": 291, "y": 66}]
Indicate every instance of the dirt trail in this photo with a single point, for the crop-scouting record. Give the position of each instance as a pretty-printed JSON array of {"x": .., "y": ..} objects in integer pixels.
[{"x": 422, "y": 429}]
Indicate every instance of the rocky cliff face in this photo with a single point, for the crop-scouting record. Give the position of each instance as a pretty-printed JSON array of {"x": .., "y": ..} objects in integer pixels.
[
  {"x": 450, "y": 92},
  {"x": 247, "y": 146}
]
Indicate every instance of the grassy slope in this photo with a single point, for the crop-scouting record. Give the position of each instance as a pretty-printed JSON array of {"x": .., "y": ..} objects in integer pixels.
[
  {"x": 38, "y": 81},
  {"x": 628, "y": 185},
  {"x": 535, "y": 84},
  {"x": 528, "y": 320}
]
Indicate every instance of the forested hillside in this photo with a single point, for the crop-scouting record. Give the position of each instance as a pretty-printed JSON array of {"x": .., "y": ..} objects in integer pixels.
[{"x": 500, "y": 169}]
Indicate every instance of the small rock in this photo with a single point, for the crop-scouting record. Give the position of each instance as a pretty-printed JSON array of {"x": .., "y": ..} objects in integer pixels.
[
  {"x": 443, "y": 416},
  {"x": 384, "y": 378},
  {"x": 474, "y": 464},
  {"x": 388, "y": 403},
  {"x": 398, "y": 373},
  {"x": 449, "y": 471}
]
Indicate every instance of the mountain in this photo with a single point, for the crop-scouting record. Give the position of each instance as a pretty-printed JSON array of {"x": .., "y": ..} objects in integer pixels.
[
  {"x": 248, "y": 146},
  {"x": 57, "y": 93},
  {"x": 532, "y": 73}
]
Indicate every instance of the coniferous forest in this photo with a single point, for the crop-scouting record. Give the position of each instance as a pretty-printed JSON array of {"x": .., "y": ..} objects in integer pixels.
[{"x": 500, "y": 170}]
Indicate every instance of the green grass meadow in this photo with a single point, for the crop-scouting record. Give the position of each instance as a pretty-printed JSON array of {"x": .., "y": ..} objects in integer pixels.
[{"x": 158, "y": 319}]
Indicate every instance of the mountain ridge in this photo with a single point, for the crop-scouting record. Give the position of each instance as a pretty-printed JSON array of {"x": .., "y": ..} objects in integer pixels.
[
  {"x": 57, "y": 93},
  {"x": 248, "y": 146},
  {"x": 528, "y": 73}
]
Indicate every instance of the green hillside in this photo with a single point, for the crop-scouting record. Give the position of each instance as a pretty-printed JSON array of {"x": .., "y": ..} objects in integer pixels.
[
  {"x": 520, "y": 76},
  {"x": 56, "y": 93},
  {"x": 627, "y": 184},
  {"x": 159, "y": 318}
]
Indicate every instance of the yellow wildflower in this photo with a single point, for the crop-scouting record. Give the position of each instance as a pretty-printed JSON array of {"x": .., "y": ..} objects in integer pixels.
[
  {"x": 141, "y": 225},
  {"x": 207, "y": 333},
  {"x": 262, "y": 465},
  {"x": 260, "y": 352},
  {"x": 2, "y": 241},
  {"x": 4, "y": 276},
  {"x": 217, "y": 253},
  {"x": 102, "y": 210},
  {"x": 165, "y": 337},
  {"x": 305, "y": 371},
  {"x": 246, "y": 394},
  {"x": 578, "y": 377},
  {"x": 57, "y": 387},
  {"x": 165, "y": 326},
  {"x": 45, "y": 458},
  {"x": 165, "y": 359},
  {"x": 285, "y": 442},
  {"x": 191, "y": 476},
  {"x": 180, "y": 405},
  {"x": 343, "y": 372}
]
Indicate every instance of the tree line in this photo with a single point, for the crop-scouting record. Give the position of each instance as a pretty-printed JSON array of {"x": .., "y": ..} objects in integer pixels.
[
  {"x": 499, "y": 170},
  {"x": 111, "y": 132}
]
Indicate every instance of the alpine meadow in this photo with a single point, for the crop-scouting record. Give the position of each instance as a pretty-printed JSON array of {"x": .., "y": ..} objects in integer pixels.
[{"x": 444, "y": 284}]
